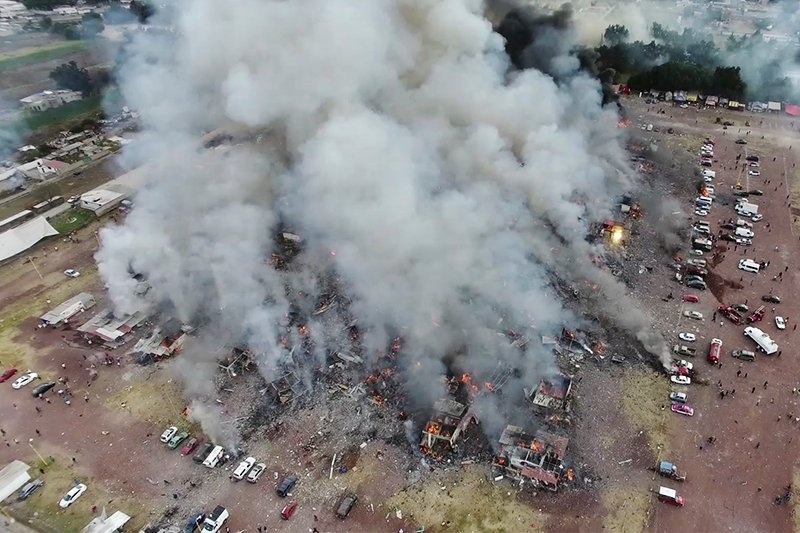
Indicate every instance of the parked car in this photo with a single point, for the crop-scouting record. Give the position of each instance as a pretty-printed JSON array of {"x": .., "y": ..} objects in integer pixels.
[
  {"x": 701, "y": 212},
  {"x": 756, "y": 192},
  {"x": 688, "y": 337},
  {"x": 694, "y": 315},
  {"x": 741, "y": 194},
  {"x": 754, "y": 172},
  {"x": 288, "y": 510},
  {"x": 772, "y": 298},
  {"x": 7, "y": 374},
  {"x": 244, "y": 467},
  {"x": 697, "y": 262},
  {"x": 256, "y": 472},
  {"x": 727, "y": 237},
  {"x": 24, "y": 379},
  {"x": 286, "y": 485},
  {"x": 693, "y": 277},
  {"x": 754, "y": 164},
  {"x": 690, "y": 298},
  {"x": 202, "y": 452},
  {"x": 695, "y": 251},
  {"x": 741, "y": 141},
  {"x": 699, "y": 285},
  {"x": 29, "y": 489},
  {"x": 683, "y": 363},
  {"x": 71, "y": 273},
  {"x": 744, "y": 355},
  {"x": 194, "y": 523},
  {"x": 741, "y": 308},
  {"x": 73, "y": 494},
  {"x": 42, "y": 389},
  {"x": 745, "y": 232},
  {"x": 684, "y": 350},
  {"x": 681, "y": 380},
  {"x": 741, "y": 241},
  {"x": 678, "y": 397},
  {"x": 189, "y": 446},
  {"x": 346, "y": 505},
  {"x": 682, "y": 409},
  {"x": 727, "y": 225},
  {"x": 176, "y": 439},
  {"x": 751, "y": 158},
  {"x": 780, "y": 323},
  {"x": 700, "y": 271},
  {"x": 168, "y": 434},
  {"x": 73, "y": 200},
  {"x": 757, "y": 217}
]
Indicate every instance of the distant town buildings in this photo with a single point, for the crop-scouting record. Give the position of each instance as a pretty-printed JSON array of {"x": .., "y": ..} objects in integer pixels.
[{"x": 49, "y": 99}]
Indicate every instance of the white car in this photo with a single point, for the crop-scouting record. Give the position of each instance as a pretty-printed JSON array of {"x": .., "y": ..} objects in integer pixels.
[
  {"x": 701, "y": 212},
  {"x": 70, "y": 273},
  {"x": 73, "y": 200},
  {"x": 683, "y": 363},
  {"x": 168, "y": 433},
  {"x": 256, "y": 472},
  {"x": 744, "y": 242},
  {"x": 744, "y": 232},
  {"x": 24, "y": 380},
  {"x": 754, "y": 172},
  {"x": 694, "y": 251},
  {"x": 696, "y": 315},
  {"x": 757, "y": 217},
  {"x": 688, "y": 337},
  {"x": 697, "y": 262},
  {"x": 708, "y": 179},
  {"x": 244, "y": 467},
  {"x": 681, "y": 380},
  {"x": 780, "y": 323},
  {"x": 73, "y": 494},
  {"x": 678, "y": 397}
]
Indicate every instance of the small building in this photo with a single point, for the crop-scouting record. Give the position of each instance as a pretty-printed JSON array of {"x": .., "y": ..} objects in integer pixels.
[
  {"x": 103, "y": 200},
  {"x": 450, "y": 419},
  {"x": 42, "y": 169},
  {"x": 553, "y": 393},
  {"x": 62, "y": 313},
  {"x": 108, "y": 328},
  {"x": 712, "y": 101},
  {"x": 45, "y": 100},
  {"x": 774, "y": 107},
  {"x": 164, "y": 342},
  {"x": 104, "y": 524},
  {"x": 12, "y": 477},
  {"x": 537, "y": 459}
]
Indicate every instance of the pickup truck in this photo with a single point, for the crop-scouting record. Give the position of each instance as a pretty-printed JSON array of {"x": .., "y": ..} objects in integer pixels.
[
  {"x": 684, "y": 350},
  {"x": 214, "y": 522}
]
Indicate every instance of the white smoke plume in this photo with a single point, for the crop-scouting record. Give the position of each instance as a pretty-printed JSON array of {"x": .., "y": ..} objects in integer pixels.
[{"x": 438, "y": 186}]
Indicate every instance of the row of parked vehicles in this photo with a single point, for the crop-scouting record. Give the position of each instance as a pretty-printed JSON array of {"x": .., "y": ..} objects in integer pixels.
[{"x": 211, "y": 455}]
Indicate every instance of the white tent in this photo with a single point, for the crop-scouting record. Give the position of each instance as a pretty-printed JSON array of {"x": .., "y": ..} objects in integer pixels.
[
  {"x": 19, "y": 239},
  {"x": 12, "y": 478}
]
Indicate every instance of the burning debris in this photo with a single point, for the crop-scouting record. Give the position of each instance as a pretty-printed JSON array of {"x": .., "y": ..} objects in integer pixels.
[
  {"x": 441, "y": 432},
  {"x": 553, "y": 394},
  {"x": 286, "y": 388},
  {"x": 535, "y": 459}
]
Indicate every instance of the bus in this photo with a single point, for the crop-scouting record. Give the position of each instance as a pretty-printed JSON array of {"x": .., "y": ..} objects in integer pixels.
[{"x": 48, "y": 204}]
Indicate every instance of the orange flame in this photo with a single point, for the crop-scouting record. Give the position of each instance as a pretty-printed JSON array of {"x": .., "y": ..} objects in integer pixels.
[
  {"x": 570, "y": 474},
  {"x": 433, "y": 428},
  {"x": 489, "y": 386},
  {"x": 303, "y": 330},
  {"x": 537, "y": 446}
]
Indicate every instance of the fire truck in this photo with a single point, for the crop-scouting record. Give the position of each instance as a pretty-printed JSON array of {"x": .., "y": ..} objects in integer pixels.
[
  {"x": 714, "y": 351},
  {"x": 731, "y": 314},
  {"x": 757, "y": 315}
]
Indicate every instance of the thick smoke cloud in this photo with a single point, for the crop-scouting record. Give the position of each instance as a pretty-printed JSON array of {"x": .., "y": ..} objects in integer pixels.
[{"x": 438, "y": 185}]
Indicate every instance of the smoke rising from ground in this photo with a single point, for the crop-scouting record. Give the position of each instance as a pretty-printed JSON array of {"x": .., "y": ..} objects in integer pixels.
[{"x": 436, "y": 183}]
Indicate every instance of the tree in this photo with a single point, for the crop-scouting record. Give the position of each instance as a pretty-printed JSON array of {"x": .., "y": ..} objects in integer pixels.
[
  {"x": 92, "y": 24},
  {"x": 615, "y": 34},
  {"x": 47, "y": 5},
  {"x": 672, "y": 76},
  {"x": 69, "y": 31},
  {"x": 71, "y": 76},
  {"x": 727, "y": 82},
  {"x": 142, "y": 9}
]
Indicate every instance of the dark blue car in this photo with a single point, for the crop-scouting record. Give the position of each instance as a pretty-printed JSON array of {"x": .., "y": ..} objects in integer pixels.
[{"x": 194, "y": 523}]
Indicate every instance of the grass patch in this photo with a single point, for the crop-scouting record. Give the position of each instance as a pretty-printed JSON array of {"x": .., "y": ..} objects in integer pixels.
[
  {"x": 42, "y": 512},
  {"x": 643, "y": 394},
  {"x": 59, "y": 115},
  {"x": 39, "y": 54},
  {"x": 628, "y": 509},
  {"x": 157, "y": 399},
  {"x": 72, "y": 220},
  {"x": 464, "y": 505}
]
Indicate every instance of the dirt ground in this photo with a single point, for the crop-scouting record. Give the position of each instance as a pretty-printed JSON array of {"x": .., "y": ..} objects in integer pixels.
[{"x": 732, "y": 482}]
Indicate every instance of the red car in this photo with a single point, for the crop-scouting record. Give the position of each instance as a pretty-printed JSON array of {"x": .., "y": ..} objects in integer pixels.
[
  {"x": 690, "y": 298},
  {"x": 714, "y": 351},
  {"x": 8, "y": 374},
  {"x": 190, "y": 446},
  {"x": 288, "y": 511}
]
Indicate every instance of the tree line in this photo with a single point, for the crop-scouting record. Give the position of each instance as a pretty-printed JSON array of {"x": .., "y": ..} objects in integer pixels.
[{"x": 690, "y": 61}]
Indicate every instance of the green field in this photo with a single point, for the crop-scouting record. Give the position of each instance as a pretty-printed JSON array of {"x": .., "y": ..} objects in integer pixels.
[
  {"x": 71, "y": 220},
  {"x": 29, "y": 56}
]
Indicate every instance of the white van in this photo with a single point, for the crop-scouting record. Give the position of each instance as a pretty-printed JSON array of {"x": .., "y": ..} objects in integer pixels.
[
  {"x": 213, "y": 458},
  {"x": 748, "y": 265}
]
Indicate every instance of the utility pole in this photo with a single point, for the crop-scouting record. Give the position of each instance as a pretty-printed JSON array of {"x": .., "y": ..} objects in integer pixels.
[
  {"x": 30, "y": 258},
  {"x": 30, "y": 443}
]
